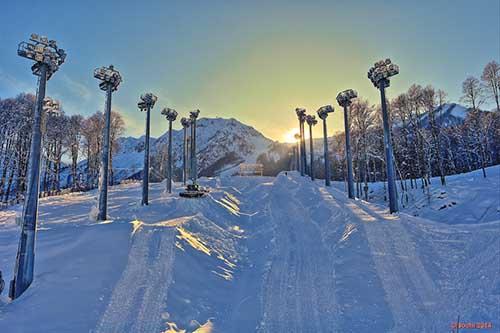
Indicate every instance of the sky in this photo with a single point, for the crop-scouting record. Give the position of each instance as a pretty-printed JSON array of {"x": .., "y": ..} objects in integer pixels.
[{"x": 255, "y": 61}]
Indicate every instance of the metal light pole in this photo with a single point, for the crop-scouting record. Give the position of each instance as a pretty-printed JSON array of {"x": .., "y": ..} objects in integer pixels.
[
  {"x": 301, "y": 116},
  {"x": 47, "y": 57},
  {"x": 185, "y": 125},
  {"x": 379, "y": 74},
  {"x": 344, "y": 99},
  {"x": 110, "y": 80},
  {"x": 193, "y": 115},
  {"x": 171, "y": 115},
  {"x": 297, "y": 150},
  {"x": 146, "y": 103},
  {"x": 311, "y": 121},
  {"x": 323, "y": 114}
]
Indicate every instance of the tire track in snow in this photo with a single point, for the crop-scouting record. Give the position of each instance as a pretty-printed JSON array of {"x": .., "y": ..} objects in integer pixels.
[
  {"x": 411, "y": 294},
  {"x": 138, "y": 299},
  {"x": 298, "y": 294}
]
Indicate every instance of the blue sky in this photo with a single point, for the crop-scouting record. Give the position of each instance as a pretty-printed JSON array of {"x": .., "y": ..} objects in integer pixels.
[{"x": 252, "y": 60}]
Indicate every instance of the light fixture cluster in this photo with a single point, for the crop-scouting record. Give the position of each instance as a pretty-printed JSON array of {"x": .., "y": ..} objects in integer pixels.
[
  {"x": 381, "y": 71},
  {"x": 344, "y": 97},
  {"x": 301, "y": 114},
  {"x": 148, "y": 100},
  {"x": 108, "y": 76},
  {"x": 193, "y": 115},
  {"x": 311, "y": 120},
  {"x": 185, "y": 122},
  {"x": 43, "y": 51},
  {"x": 324, "y": 111},
  {"x": 169, "y": 113},
  {"x": 51, "y": 106}
]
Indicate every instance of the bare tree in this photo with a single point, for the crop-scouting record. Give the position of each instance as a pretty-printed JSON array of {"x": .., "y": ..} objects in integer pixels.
[
  {"x": 472, "y": 91},
  {"x": 72, "y": 143},
  {"x": 117, "y": 129},
  {"x": 491, "y": 80}
]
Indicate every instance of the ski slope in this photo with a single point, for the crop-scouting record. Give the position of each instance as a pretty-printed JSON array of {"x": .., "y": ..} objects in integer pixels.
[{"x": 259, "y": 254}]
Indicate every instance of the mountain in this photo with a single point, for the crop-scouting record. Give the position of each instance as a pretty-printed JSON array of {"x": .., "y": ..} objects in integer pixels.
[
  {"x": 222, "y": 144},
  {"x": 447, "y": 115}
]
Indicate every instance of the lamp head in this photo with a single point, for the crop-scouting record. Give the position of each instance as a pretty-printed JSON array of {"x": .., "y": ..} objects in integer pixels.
[
  {"x": 324, "y": 111},
  {"x": 185, "y": 122},
  {"x": 311, "y": 120},
  {"x": 382, "y": 71},
  {"x": 108, "y": 76},
  {"x": 149, "y": 99},
  {"x": 169, "y": 113},
  {"x": 193, "y": 115},
  {"x": 42, "y": 51}
]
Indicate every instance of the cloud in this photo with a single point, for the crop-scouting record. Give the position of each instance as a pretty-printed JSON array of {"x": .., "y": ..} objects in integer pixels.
[
  {"x": 10, "y": 85},
  {"x": 77, "y": 88}
]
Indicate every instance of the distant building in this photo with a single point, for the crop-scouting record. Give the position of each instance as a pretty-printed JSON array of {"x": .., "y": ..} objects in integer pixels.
[{"x": 249, "y": 169}]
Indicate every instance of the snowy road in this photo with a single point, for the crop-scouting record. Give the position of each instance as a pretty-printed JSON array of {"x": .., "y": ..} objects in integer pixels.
[
  {"x": 258, "y": 254},
  {"x": 299, "y": 289}
]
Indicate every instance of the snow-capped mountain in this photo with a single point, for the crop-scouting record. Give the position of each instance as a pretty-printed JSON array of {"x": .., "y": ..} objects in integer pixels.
[
  {"x": 449, "y": 114},
  {"x": 222, "y": 144}
]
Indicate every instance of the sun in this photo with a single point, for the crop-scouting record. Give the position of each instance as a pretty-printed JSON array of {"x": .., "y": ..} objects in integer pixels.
[{"x": 289, "y": 136}]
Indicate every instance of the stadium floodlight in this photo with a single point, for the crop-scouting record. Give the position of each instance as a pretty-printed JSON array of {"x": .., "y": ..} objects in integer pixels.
[
  {"x": 146, "y": 103},
  {"x": 193, "y": 116},
  {"x": 301, "y": 116},
  {"x": 110, "y": 80},
  {"x": 311, "y": 121},
  {"x": 297, "y": 150},
  {"x": 323, "y": 114},
  {"x": 379, "y": 75},
  {"x": 344, "y": 98},
  {"x": 185, "y": 125},
  {"x": 48, "y": 58},
  {"x": 171, "y": 115},
  {"x": 51, "y": 107}
]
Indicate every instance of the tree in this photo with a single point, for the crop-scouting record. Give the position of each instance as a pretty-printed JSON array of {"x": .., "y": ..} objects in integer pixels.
[
  {"x": 72, "y": 143},
  {"x": 117, "y": 129},
  {"x": 363, "y": 119},
  {"x": 473, "y": 94},
  {"x": 491, "y": 80}
]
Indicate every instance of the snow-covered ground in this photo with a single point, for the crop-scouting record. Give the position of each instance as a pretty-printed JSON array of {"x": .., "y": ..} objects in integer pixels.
[{"x": 261, "y": 254}]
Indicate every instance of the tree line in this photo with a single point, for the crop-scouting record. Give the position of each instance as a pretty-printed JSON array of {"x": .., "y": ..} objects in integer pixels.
[
  {"x": 67, "y": 139},
  {"x": 426, "y": 141}
]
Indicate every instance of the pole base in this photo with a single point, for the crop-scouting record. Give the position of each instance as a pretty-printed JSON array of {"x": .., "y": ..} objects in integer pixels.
[{"x": 193, "y": 191}]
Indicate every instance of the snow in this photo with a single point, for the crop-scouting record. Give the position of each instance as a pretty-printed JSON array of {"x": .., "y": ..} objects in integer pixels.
[{"x": 261, "y": 254}]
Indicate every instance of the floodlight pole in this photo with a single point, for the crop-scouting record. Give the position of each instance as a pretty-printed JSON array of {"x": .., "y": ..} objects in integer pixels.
[
  {"x": 103, "y": 181},
  {"x": 145, "y": 171},
  {"x": 193, "y": 156},
  {"x": 326, "y": 155},
  {"x": 25, "y": 260},
  {"x": 184, "y": 166},
  {"x": 391, "y": 182},
  {"x": 311, "y": 167},
  {"x": 297, "y": 154},
  {"x": 194, "y": 171},
  {"x": 169, "y": 180},
  {"x": 303, "y": 144},
  {"x": 311, "y": 121},
  {"x": 348, "y": 155}
]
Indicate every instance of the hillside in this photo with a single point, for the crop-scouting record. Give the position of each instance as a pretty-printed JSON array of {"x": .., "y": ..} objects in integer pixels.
[{"x": 257, "y": 254}]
